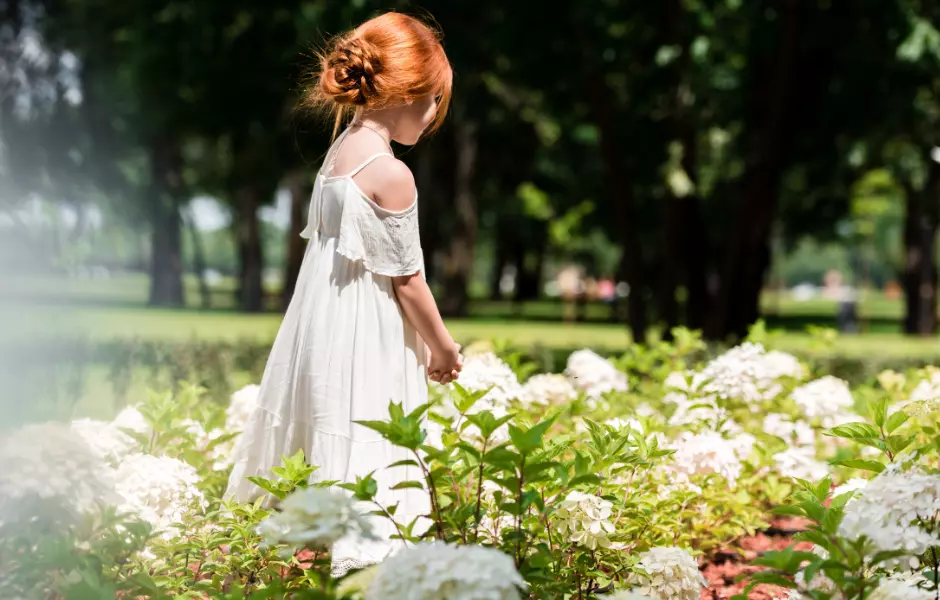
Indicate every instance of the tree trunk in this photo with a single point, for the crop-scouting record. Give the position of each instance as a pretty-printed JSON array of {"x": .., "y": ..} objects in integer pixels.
[
  {"x": 300, "y": 188},
  {"x": 920, "y": 268},
  {"x": 748, "y": 251},
  {"x": 458, "y": 264},
  {"x": 430, "y": 194},
  {"x": 503, "y": 248},
  {"x": 631, "y": 261},
  {"x": 166, "y": 253},
  {"x": 250, "y": 289},
  {"x": 529, "y": 276},
  {"x": 199, "y": 262}
]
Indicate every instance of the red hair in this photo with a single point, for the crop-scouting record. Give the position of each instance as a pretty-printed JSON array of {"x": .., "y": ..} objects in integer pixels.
[{"x": 386, "y": 61}]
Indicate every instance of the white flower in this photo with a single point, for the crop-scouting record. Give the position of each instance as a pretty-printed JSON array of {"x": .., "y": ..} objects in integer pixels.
[
  {"x": 695, "y": 412},
  {"x": 892, "y": 589},
  {"x": 220, "y": 455},
  {"x": 795, "y": 432},
  {"x": 547, "y": 388},
  {"x": 928, "y": 389},
  {"x": 780, "y": 364},
  {"x": 704, "y": 454},
  {"x": 840, "y": 417},
  {"x": 670, "y": 574},
  {"x": 626, "y": 595},
  {"x": 438, "y": 571},
  {"x": 892, "y": 511},
  {"x": 594, "y": 375},
  {"x": 130, "y": 418},
  {"x": 620, "y": 424},
  {"x": 584, "y": 518},
  {"x": 824, "y": 397},
  {"x": 159, "y": 490},
  {"x": 315, "y": 517},
  {"x": 105, "y": 439},
  {"x": 743, "y": 373},
  {"x": 800, "y": 462},
  {"x": 242, "y": 403},
  {"x": 48, "y": 470},
  {"x": 925, "y": 397},
  {"x": 487, "y": 371},
  {"x": 850, "y": 487},
  {"x": 491, "y": 528},
  {"x": 690, "y": 381}
]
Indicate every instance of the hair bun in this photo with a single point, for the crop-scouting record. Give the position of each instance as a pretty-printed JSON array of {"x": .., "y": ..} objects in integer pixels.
[{"x": 350, "y": 72}]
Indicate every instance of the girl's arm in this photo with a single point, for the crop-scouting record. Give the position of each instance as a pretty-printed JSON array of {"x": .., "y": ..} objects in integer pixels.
[
  {"x": 395, "y": 190},
  {"x": 419, "y": 307}
]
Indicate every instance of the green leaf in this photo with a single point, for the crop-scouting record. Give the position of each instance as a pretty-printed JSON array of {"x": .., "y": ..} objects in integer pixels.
[
  {"x": 855, "y": 431},
  {"x": 858, "y": 463},
  {"x": 898, "y": 443},
  {"x": 417, "y": 485},
  {"x": 895, "y": 421},
  {"x": 268, "y": 486},
  {"x": 526, "y": 441},
  {"x": 880, "y": 412},
  {"x": 404, "y": 463}
]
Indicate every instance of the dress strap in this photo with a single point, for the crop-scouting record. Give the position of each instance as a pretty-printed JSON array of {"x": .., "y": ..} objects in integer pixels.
[{"x": 366, "y": 163}]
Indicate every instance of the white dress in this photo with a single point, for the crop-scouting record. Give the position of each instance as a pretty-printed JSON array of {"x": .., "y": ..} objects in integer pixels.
[{"x": 343, "y": 352}]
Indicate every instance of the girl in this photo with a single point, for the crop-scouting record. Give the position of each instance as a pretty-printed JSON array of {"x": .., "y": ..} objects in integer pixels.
[{"x": 362, "y": 320}]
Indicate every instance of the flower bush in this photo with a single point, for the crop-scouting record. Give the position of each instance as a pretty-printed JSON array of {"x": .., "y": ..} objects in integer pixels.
[{"x": 616, "y": 479}]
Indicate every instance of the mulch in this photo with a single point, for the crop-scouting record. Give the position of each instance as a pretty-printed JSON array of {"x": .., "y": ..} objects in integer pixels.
[{"x": 726, "y": 569}]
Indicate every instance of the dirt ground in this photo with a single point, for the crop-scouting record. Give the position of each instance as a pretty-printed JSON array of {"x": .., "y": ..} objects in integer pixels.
[{"x": 724, "y": 572}]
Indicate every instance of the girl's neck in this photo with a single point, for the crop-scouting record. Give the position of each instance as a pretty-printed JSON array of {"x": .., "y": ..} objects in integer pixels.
[{"x": 382, "y": 127}]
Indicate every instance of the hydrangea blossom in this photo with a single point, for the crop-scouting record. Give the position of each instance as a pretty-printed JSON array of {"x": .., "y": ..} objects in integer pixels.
[
  {"x": 131, "y": 418},
  {"x": 669, "y": 574},
  {"x": 594, "y": 375},
  {"x": 690, "y": 381},
  {"x": 48, "y": 470},
  {"x": 800, "y": 463},
  {"x": 849, "y": 487},
  {"x": 795, "y": 432},
  {"x": 743, "y": 373},
  {"x": 487, "y": 371},
  {"x": 626, "y": 595},
  {"x": 928, "y": 389},
  {"x": 893, "y": 589},
  {"x": 439, "y": 571},
  {"x": 925, "y": 397},
  {"x": 892, "y": 509},
  {"x": 315, "y": 517},
  {"x": 619, "y": 423},
  {"x": 220, "y": 455},
  {"x": 780, "y": 364},
  {"x": 491, "y": 528},
  {"x": 547, "y": 388},
  {"x": 585, "y": 520},
  {"x": 159, "y": 490},
  {"x": 241, "y": 404},
  {"x": 105, "y": 439},
  {"x": 824, "y": 397},
  {"x": 695, "y": 412},
  {"x": 705, "y": 454}
]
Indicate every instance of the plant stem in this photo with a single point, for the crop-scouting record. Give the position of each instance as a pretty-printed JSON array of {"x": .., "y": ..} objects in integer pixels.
[
  {"x": 389, "y": 516},
  {"x": 519, "y": 516},
  {"x": 476, "y": 525},
  {"x": 438, "y": 521}
]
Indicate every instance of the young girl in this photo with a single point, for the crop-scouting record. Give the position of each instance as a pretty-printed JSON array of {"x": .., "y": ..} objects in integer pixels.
[{"x": 362, "y": 320}]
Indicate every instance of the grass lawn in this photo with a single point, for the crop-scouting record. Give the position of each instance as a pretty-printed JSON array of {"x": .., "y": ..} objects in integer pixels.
[
  {"x": 102, "y": 323},
  {"x": 105, "y": 309}
]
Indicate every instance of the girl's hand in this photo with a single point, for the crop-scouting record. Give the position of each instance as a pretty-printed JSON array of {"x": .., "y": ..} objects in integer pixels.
[{"x": 445, "y": 366}]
